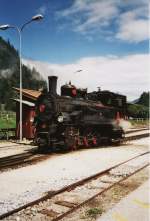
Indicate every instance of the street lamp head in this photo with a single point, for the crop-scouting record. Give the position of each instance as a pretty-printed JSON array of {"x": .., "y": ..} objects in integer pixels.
[
  {"x": 4, "y": 27},
  {"x": 34, "y": 18},
  {"x": 37, "y": 17},
  {"x": 78, "y": 71}
]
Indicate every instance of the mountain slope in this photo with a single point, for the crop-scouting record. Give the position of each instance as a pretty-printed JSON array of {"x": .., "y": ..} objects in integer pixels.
[{"x": 10, "y": 75}]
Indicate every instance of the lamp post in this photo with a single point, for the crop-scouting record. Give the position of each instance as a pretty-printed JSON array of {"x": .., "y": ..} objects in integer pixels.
[{"x": 19, "y": 30}]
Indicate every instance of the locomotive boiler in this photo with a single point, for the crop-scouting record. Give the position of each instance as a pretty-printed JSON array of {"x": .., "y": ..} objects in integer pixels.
[{"x": 74, "y": 119}]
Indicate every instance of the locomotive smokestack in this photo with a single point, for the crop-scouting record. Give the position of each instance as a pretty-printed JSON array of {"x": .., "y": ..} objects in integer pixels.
[{"x": 52, "y": 84}]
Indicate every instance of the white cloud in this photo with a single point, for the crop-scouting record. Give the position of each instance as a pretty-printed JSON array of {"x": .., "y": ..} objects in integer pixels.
[
  {"x": 6, "y": 72},
  {"x": 133, "y": 26},
  {"x": 134, "y": 2},
  {"x": 127, "y": 75},
  {"x": 92, "y": 14},
  {"x": 134, "y": 31},
  {"x": 42, "y": 10},
  {"x": 99, "y": 16}
]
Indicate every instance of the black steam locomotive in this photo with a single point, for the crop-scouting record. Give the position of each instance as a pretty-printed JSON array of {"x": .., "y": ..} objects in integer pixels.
[{"x": 77, "y": 118}]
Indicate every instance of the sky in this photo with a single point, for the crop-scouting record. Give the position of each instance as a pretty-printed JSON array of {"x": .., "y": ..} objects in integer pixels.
[{"x": 107, "y": 39}]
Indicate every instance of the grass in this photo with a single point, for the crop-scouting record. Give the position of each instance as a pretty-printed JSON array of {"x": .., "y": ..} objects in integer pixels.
[
  {"x": 139, "y": 123},
  {"x": 7, "y": 123},
  {"x": 93, "y": 212}
]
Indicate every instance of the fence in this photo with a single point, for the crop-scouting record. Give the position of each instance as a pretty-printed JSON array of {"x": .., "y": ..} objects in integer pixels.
[
  {"x": 7, "y": 119},
  {"x": 7, "y": 124},
  {"x": 6, "y": 134},
  {"x": 7, "y": 114}
]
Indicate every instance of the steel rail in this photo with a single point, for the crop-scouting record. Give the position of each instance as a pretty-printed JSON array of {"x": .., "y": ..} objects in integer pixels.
[
  {"x": 134, "y": 137},
  {"x": 136, "y": 130},
  {"x": 7, "y": 158},
  {"x": 94, "y": 196},
  {"x": 70, "y": 187},
  {"x": 21, "y": 161},
  {"x": 24, "y": 158}
]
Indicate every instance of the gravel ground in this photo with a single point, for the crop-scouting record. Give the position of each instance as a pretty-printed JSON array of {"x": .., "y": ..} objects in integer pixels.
[
  {"x": 99, "y": 205},
  {"x": 23, "y": 185},
  {"x": 10, "y": 149}
]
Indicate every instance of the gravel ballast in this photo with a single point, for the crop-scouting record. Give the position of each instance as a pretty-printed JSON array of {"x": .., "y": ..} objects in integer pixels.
[{"x": 23, "y": 185}]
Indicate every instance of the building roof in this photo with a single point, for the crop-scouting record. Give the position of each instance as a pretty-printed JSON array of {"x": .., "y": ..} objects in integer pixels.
[
  {"x": 30, "y": 104},
  {"x": 32, "y": 94}
]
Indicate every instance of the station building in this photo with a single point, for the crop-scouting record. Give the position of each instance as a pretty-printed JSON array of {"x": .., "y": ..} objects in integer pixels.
[{"x": 29, "y": 98}]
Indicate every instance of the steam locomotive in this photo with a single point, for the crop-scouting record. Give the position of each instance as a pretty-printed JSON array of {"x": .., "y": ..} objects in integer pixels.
[{"x": 76, "y": 118}]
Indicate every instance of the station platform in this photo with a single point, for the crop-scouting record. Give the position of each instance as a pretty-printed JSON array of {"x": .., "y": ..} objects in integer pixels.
[{"x": 134, "y": 207}]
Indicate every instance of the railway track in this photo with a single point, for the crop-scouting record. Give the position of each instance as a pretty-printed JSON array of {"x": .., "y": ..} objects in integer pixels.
[
  {"x": 14, "y": 160},
  {"x": 33, "y": 157},
  {"x": 133, "y": 136},
  {"x": 13, "y": 144},
  {"x": 136, "y": 130},
  {"x": 56, "y": 205},
  {"x": 17, "y": 160}
]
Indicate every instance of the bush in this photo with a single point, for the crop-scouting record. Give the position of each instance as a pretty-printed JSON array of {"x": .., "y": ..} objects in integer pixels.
[
  {"x": 138, "y": 111},
  {"x": 93, "y": 212}
]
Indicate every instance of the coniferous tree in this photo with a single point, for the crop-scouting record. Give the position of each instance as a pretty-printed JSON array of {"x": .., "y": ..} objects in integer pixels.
[{"x": 10, "y": 74}]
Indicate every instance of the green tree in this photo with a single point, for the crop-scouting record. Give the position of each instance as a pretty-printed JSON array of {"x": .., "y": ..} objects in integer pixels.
[
  {"x": 138, "y": 111},
  {"x": 144, "y": 99},
  {"x": 10, "y": 74}
]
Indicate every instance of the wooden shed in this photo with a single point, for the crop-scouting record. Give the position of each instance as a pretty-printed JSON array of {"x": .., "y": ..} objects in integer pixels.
[{"x": 28, "y": 112}]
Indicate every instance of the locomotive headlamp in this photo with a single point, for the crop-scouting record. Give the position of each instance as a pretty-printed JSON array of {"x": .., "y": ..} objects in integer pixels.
[{"x": 60, "y": 119}]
